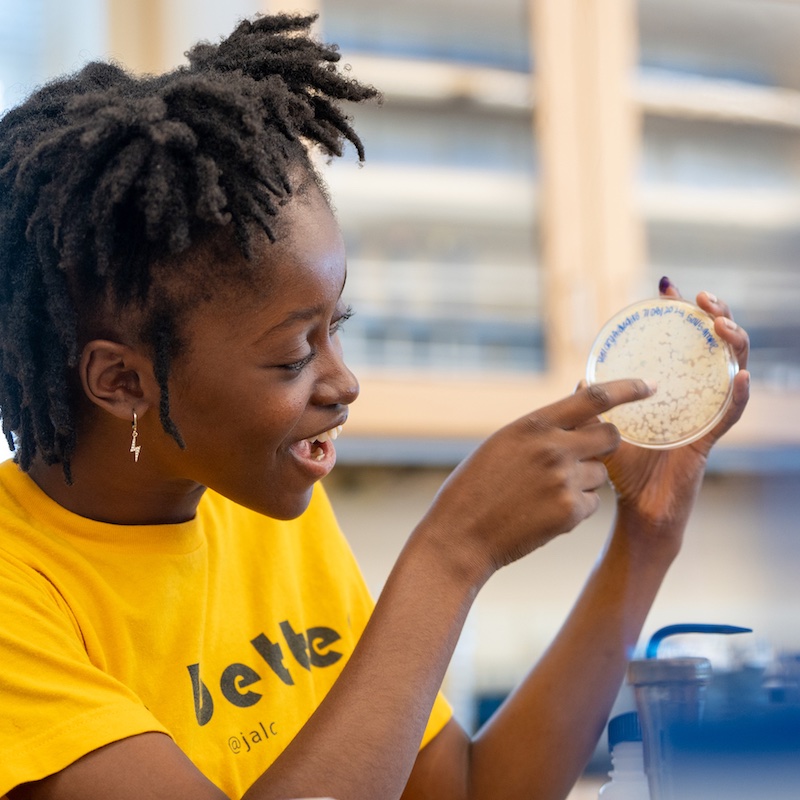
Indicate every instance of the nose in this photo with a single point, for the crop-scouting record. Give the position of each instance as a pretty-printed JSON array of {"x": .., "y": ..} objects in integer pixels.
[{"x": 337, "y": 385}]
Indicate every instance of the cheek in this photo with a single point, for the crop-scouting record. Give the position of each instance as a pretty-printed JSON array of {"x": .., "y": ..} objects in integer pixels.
[
  {"x": 278, "y": 418},
  {"x": 256, "y": 418},
  {"x": 242, "y": 409}
]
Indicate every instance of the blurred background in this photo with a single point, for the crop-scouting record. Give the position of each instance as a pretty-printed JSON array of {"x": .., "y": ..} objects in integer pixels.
[{"x": 535, "y": 166}]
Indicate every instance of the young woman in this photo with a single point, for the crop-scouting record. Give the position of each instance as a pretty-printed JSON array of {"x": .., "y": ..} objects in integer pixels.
[{"x": 181, "y": 615}]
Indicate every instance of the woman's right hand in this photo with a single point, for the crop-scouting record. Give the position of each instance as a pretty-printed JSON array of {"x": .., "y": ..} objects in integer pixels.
[{"x": 530, "y": 481}]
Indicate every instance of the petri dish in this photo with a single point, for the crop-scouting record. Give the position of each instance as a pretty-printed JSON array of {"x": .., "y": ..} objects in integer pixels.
[{"x": 673, "y": 343}]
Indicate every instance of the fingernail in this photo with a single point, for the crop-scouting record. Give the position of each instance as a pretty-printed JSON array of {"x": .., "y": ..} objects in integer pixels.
[
  {"x": 652, "y": 386},
  {"x": 729, "y": 324},
  {"x": 711, "y": 297},
  {"x": 664, "y": 284}
]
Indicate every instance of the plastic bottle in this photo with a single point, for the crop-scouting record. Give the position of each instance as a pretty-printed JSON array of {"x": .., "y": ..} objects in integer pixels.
[
  {"x": 628, "y": 778},
  {"x": 670, "y": 699}
]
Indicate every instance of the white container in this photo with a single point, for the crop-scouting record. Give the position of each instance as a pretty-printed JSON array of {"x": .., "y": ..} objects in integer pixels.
[{"x": 628, "y": 778}]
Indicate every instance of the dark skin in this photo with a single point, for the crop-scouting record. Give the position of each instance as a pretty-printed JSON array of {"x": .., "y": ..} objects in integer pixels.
[
  {"x": 240, "y": 392},
  {"x": 528, "y": 483}
]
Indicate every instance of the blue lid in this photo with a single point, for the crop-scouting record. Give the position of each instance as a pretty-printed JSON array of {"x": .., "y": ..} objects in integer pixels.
[{"x": 624, "y": 728}]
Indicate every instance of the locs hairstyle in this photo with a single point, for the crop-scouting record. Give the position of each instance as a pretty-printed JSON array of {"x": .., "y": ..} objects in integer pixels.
[{"x": 103, "y": 175}]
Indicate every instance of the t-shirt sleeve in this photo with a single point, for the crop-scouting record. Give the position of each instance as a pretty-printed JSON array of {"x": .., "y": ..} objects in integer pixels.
[
  {"x": 56, "y": 705},
  {"x": 440, "y": 716}
]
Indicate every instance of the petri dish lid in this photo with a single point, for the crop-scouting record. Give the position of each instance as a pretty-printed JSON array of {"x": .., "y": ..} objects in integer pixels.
[{"x": 673, "y": 343}]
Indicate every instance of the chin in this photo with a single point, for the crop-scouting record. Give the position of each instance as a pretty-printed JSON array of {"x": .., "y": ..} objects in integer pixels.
[{"x": 286, "y": 507}]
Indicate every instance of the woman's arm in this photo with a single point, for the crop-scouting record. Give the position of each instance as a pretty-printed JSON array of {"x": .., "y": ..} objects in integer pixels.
[
  {"x": 539, "y": 741},
  {"x": 529, "y": 482}
]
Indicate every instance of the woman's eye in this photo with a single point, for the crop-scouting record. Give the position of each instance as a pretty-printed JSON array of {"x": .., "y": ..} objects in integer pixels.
[
  {"x": 336, "y": 325},
  {"x": 296, "y": 366}
]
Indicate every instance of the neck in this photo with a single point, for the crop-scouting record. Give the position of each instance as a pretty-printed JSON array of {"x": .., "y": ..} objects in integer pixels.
[{"x": 120, "y": 494}]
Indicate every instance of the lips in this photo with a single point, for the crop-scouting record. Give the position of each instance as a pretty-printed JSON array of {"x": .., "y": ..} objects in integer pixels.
[
  {"x": 317, "y": 452},
  {"x": 317, "y": 443}
]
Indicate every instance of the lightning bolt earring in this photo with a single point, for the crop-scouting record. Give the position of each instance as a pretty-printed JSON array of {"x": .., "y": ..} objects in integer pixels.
[{"x": 135, "y": 448}]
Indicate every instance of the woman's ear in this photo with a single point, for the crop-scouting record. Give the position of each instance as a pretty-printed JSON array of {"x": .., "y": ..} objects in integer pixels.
[{"x": 118, "y": 378}]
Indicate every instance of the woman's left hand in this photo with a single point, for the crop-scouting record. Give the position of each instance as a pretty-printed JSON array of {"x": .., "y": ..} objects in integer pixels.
[{"x": 658, "y": 487}]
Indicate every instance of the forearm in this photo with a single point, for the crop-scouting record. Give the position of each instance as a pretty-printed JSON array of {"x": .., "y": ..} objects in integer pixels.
[
  {"x": 541, "y": 739},
  {"x": 364, "y": 738},
  {"x": 527, "y": 483}
]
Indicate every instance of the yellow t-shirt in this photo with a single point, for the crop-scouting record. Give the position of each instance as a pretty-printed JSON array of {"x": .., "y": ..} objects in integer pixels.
[{"x": 225, "y": 632}]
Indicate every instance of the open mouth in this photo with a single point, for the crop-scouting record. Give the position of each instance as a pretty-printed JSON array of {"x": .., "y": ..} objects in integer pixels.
[{"x": 320, "y": 445}]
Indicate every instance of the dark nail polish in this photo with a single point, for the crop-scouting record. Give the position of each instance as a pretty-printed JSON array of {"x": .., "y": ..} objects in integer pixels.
[{"x": 664, "y": 284}]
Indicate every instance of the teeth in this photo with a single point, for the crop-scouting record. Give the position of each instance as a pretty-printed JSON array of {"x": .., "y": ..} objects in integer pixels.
[
  {"x": 318, "y": 454},
  {"x": 327, "y": 436}
]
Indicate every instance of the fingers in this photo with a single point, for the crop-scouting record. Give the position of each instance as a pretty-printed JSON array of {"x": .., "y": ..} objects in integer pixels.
[
  {"x": 724, "y": 325},
  {"x": 736, "y": 337},
  {"x": 590, "y": 475},
  {"x": 741, "y": 394},
  {"x": 739, "y": 342},
  {"x": 667, "y": 288},
  {"x": 589, "y": 402},
  {"x": 582, "y": 384},
  {"x": 713, "y": 305},
  {"x": 593, "y": 475}
]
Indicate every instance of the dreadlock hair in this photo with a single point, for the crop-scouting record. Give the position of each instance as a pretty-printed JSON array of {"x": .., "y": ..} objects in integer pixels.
[{"x": 104, "y": 175}]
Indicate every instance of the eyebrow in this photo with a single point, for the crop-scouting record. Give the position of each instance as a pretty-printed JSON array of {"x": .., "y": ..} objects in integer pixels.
[{"x": 302, "y": 314}]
